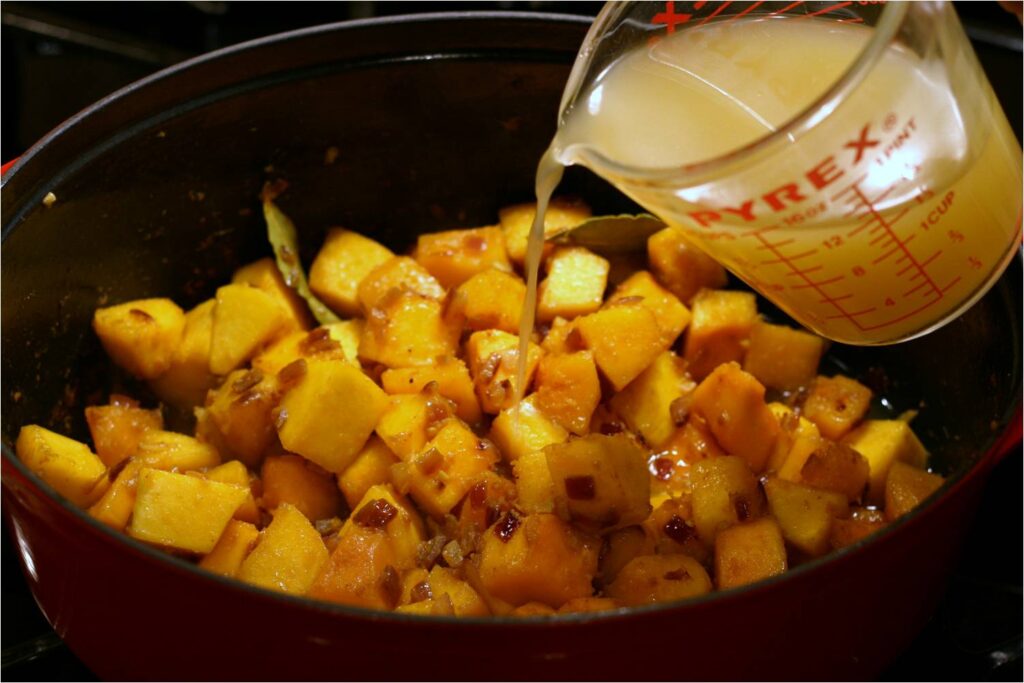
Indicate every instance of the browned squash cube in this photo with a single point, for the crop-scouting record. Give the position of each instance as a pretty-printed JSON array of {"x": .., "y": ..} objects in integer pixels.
[
  {"x": 344, "y": 260},
  {"x": 682, "y": 268},
  {"x": 290, "y": 479},
  {"x": 263, "y": 274},
  {"x": 884, "y": 442},
  {"x": 289, "y": 555},
  {"x": 595, "y": 604},
  {"x": 448, "y": 467},
  {"x": 362, "y": 571},
  {"x": 115, "y": 507},
  {"x": 330, "y": 412},
  {"x": 601, "y": 482},
  {"x": 237, "y": 474},
  {"x": 493, "y": 361},
  {"x": 862, "y": 523},
  {"x": 646, "y": 404},
  {"x": 245, "y": 319},
  {"x": 465, "y": 601},
  {"x": 725, "y": 492},
  {"x": 836, "y": 404},
  {"x": 517, "y": 222},
  {"x": 558, "y": 340},
  {"x": 453, "y": 382},
  {"x": 671, "y": 314},
  {"x": 457, "y": 255},
  {"x": 117, "y": 427},
  {"x": 371, "y": 467},
  {"x": 535, "y": 490},
  {"x": 407, "y": 330},
  {"x": 624, "y": 338},
  {"x": 837, "y": 467},
  {"x": 315, "y": 344},
  {"x": 620, "y": 547},
  {"x": 574, "y": 286},
  {"x": 525, "y": 429},
  {"x": 490, "y": 497},
  {"x": 387, "y": 512},
  {"x": 492, "y": 299},
  {"x": 659, "y": 578},
  {"x": 731, "y": 403},
  {"x": 532, "y": 609},
  {"x": 401, "y": 273},
  {"x": 411, "y": 420},
  {"x": 165, "y": 450},
  {"x": 749, "y": 552},
  {"x": 536, "y": 558},
  {"x": 692, "y": 443},
  {"x": 906, "y": 487},
  {"x": 241, "y": 411},
  {"x": 805, "y": 515},
  {"x": 781, "y": 357},
  {"x": 568, "y": 389},
  {"x": 798, "y": 438},
  {"x": 672, "y": 530},
  {"x": 719, "y": 327},
  {"x": 184, "y": 384},
  {"x": 141, "y": 336},
  {"x": 226, "y": 558}
]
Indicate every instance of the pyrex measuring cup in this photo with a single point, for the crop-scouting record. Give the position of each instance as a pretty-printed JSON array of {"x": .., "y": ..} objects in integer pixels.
[{"x": 847, "y": 160}]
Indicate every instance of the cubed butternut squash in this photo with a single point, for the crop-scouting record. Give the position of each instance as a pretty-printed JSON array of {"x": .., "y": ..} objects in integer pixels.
[
  {"x": 117, "y": 427},
  {"x": 558, "y": 339},
  {"x": 466, "y": 602},
  {"x": 671, "y": 314},
  {"x": 749, "y": 552},
  {"x": 165, "y": 450},
  {"x": 361, "y": 572},
  {"x": 234, "y": 545},
  {"x": 568, "y": 389},
  {"x": 241, "y": 411},
  {"x": 329, "y": 413},
  {"x": 185, "y": 382},
  {"x": 798, "y": 438},
  {"x": 115, "y": 507},
  {"x": 342, "y": 263},
  {"x": 646, "y": 403},
  {"x": 493, "y": 362},
  {"x": 372, "y": 466},
  {"x": 805, "y": 515},
  {"x": 884, "y": 442},
  {"x": 672, "y": 530},
  {"x": 535, "y": 491},
  {"x": 836, "y": 404},
  {"x": 659, "y": 578},
  {"x": 601, "y": 482},
  {"x": 906, "y": 487},
  {"x": 315, "y": 344},
  {"x": 524, "y": 429},
  {"x": 719, "y": 327},
  {"x": 574, "y": 285},
  {"x": 492, "y": 299},
  {"x": 384, "y": 510},
  {"x": 141, "y": 336},
  {"x": 619, "y": 549},
  {"x": 837, "y": 467},
  {"x": 781, "y": 357},
  {"x": 453, "y": 382},
  {"x": 536, "y": 558},
  {"x": 725, "y": 492},
  {"x": 517, "y": 222},
  {"x": 408, "y": 329},
  {"x": 236, "y": 474},
  {"x": 682, "y": 268},
  {"x": 862, "y": 523},
  {"x": 624, "y": 338},
  {"x": 182, "y": 512},
  {"x": 244, "y": 320},
  {"x": 264, "y": 275},
  {"x": 731, "y": 403},
  {"x": 399, "y": 273},
  {"x": 289, "y": 479},
  {"x": 457, "y": 255},
  {"x": 411, "y": 420},
  {"x": 65, "y": 464},
  {"x": 289, "y": 555}
]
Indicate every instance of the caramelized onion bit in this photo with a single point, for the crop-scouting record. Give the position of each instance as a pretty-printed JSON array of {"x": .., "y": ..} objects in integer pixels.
[
  {"x": 580, "y": 488},
  {"x": 678, "y": 530},
  {"x": 679, "y": 409},
  {"x": 506, "y": 526},
  {"x": 430, "y": 461},
  {"x": 478, "y": 495},
  {"x": 247, "y": 381},
  {"x": 452, "y": 554},
  {"x": 376, "y": 514},
  {"x": 677, "y": 575},
  {"x": 293, "y": 372},
  {"x": 420, "y": 592},
  {"x": 662, "y": 468},
  {"x": 391, "y": 586},
  {"x": 140, "y": 315}
]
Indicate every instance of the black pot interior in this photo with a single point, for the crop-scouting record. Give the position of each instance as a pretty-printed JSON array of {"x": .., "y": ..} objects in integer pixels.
[{"x": 437, "y": 123}]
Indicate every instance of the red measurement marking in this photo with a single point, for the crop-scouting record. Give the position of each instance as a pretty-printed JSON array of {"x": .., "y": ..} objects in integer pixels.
[
  {"x": 821, "y": 283},
  {"x": 828, "y": 300},
  {"x": 862, "y": 143},
  {"x": 805, "y": 271},
  {"x": 950, "y": 285},
  {"x": 927, "y": 262},
  {"x": 884, "y": 194},
  {"x": 905, "y": 268},
  {"x": 861, "y": 227},
  {"x": 854, "y": 314},
  {"x": 885, "y": 255},
  {"x": 786, "y": 8},
  {"x": 840, "y": 5},
  {"x": 777, "y": 244},
  {"x": 914, "y": 289},
  {"x": 883, "y": 236},
  {"x": 753, "y": 6},
  {"x": 715, "y": 13},
  {"x": 669, "y": 17}
]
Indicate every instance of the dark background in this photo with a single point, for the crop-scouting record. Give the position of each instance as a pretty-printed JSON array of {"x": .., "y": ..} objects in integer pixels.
[{"x": 60, "y": 57}]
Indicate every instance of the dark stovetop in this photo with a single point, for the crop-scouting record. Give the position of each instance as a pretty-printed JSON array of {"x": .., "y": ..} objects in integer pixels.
[{"x": 59, "y": 57}]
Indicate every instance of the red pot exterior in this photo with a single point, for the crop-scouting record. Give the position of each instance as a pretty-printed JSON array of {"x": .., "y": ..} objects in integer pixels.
[{"x": 129, "y": 615}]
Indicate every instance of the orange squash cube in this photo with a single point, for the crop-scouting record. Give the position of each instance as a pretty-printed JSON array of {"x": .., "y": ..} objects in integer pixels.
[
  {"x": 165, "y": 450},
  {"x": 517, "y": 222},
  {"x": 385, "y": 511},
  {"x": 884, "y": 442},
  {"x": 558, "y": 338},
  {"x": 117, "y": 427},
  {"x": 837, "y": 467},
  {"x": 316, "y": 344},
  {"x": 371, "y": 467},
  {"x": 671, "y": 314},
  {"x": 342, "y": 263},
  {"x": 906, "y": 487},
  {"x": 861, "y": 524},
  {"x": 836, "y": 404},
  {"x": 725, "y": 492},
  {"x": 289, "y": 479},
  {"x": 236, "y": 474},
  {"x": 408, "y": 330},
  {"x": 264, "y": 275},
  {"x": 619, "y": 549},
  {"x": 568, "y": 389},
  {"x": 466, "y": 602},
  {"x": 624, "y": 338},
  {"x": 411, "y": 420},
  {"x": 719, "y": 327},
  {"x": 682, "y": 268},
  {"x": 574, "y": 286},
  {"x": 234, "y": 545},
  {"x": 523, "y": 429},
  {"x": 453, "y": 382},
  {"x": 493, "y": 362},
  {"x": 731, "y": 403},
  {"x": 646, "y": 403},
  {"x": 401, "y": 273},
  {"x": 362, "y": 571},
  {"x": 115, "y": 507},
  {"x": 244, "y": 320},
  {"x": 659, "y": 578},
  {"x": 185, "y": 382},
  {"x": 141, "y": 336},
  {"x": 805, "y": 515},
  {"x": 798, "y": 438},
  {"x": 457, "y": 255},
  {"x": 289, "y": 555},
  {"x": 535, "y": 490},
  {"x": 241, "y": 411},
  {"x": 492, "y": 299},
  {"x": 749, "y": 552},
  {"x": 781, "y": 357}
]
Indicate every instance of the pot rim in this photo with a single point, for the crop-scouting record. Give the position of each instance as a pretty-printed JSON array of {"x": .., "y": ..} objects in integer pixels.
[{"x": 995, "y": 448}]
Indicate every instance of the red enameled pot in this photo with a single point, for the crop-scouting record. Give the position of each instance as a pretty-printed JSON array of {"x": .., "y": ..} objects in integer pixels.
[{"x": 438, "y": 121}]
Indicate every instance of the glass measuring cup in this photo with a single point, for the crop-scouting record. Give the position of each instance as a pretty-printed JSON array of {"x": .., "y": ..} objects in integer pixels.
[{"x": 847, "y": 160}]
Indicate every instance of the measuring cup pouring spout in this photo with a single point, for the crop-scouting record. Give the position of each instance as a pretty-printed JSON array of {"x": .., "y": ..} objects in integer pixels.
[{"x": 847, "y": 160}]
